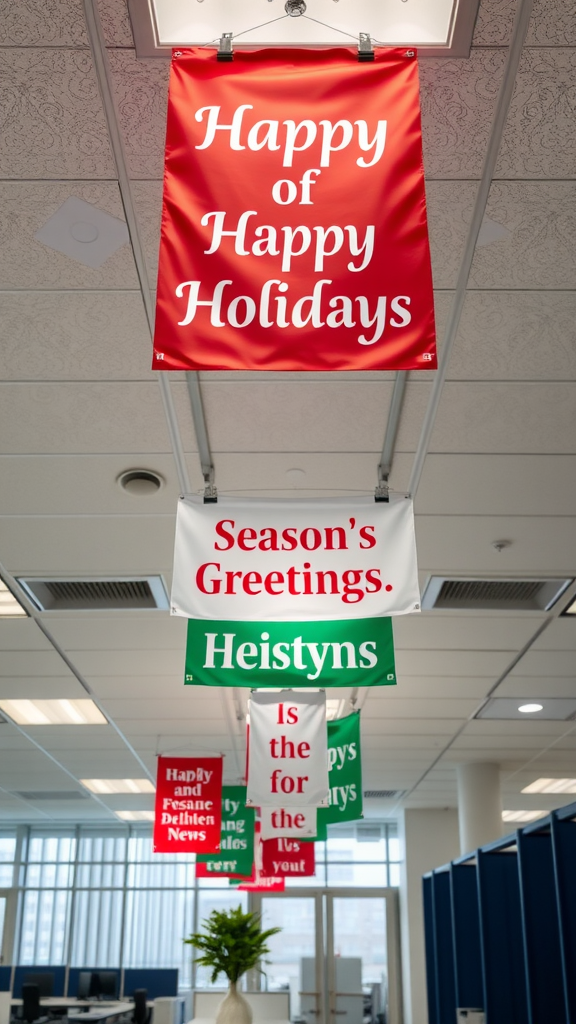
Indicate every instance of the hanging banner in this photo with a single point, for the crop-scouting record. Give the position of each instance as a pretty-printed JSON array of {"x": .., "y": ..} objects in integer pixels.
[
  {"x": 288, "y": 760},
  {"x": 188, "y": 808},
  {"x": 302, "y": 561},
  {"x": 344, "y": 775},
  {"x": 258, "y": 883},
  {"x": 236, "y": 853},
  {"x": 288, "y": 822},
  {"x": 294, "y": 233},
  {"x": 342, "y": 652},
  {"x": 287, "y": 858}
]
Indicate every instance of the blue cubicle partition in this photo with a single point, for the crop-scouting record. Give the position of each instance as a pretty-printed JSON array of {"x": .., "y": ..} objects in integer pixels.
[
  {"x": 563, "y": 832},
  {"x": 5, "y": 973},
  {"x": 466, "y": 935},
  {"x": 158, "y": 982},
  {"x": 541, "y": 926},
  {"x": 512, "y": 928},
  {"x": 21, "y": 972}
]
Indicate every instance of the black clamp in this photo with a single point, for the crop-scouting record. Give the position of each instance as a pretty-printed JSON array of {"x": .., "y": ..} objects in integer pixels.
[
  {"x": 225, "y": 50},
  {"x": 382, "y": 491},
  {"x": 365, "y": 48}
]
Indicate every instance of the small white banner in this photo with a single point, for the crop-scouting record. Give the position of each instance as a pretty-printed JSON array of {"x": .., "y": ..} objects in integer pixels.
[
  {"x": 291, "y": 822},
  {"x": 296, "y": 561},
  {"x": 288, "y": 750}
]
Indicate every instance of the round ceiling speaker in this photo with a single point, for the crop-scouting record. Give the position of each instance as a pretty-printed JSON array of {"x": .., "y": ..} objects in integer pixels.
[{"x": 140, "y": 483}]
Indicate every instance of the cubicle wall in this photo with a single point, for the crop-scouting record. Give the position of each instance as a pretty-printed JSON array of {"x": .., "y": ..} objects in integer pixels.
[
  {"x": 158, "y": 982},
  {"x": 500, "y": 928}
]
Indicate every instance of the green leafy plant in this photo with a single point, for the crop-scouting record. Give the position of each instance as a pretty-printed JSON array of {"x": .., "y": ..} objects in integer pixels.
[{"x": 232, "y": 943}]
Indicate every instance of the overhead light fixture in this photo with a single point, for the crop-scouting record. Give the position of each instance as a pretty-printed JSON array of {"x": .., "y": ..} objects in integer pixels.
[
  {"x": 530, "y": 709},
  {"x": 135, "y": 815},
  {"x": 551, "y": 786},
  {"x": 559, "y": 709},
  {"x": 522, "y": 815},
  {"x": 10, "y": 608},
  {"x": 571, "y": 609},
  {"x": 106, "y": 787},
  {"x": 83, "y": 232},
  {"x": 53, "y": 712}
]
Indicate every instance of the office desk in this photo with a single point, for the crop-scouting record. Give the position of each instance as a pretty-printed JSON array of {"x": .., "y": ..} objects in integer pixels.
[{"x": 92, "y": 1012}]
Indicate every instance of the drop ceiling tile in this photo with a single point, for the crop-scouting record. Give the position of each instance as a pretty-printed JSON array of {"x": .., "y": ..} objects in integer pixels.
[
  {"x": 474, "y": 687},
  {"x": 86, "y": 484},
  {"x": 540, "y": 138},
  {"x": 296, "y": 415},
  {"x": 442, "y": 631},
  {"x": 538, "y": 547},
  {"x": 188, "y": 707},
  {"x": 560, "y": 636},
  {"x": 541, "y": 251},
  {"x": 43, "y": 688},
  {"x": 537, "y": 686},
  {"x": 115, "y": 22},
  {"x": 449, "y": 205},
  {"x": 129, "y": 631},
  {"x": 481, "y": 662},
  {"x": 499, "y": 418},
  {"x": 43, "y": 23},
  {"x": 411, "y": 732},
  {"x": 31, "y": 663},
  {"x": 497, "y": 331},
  {"x": 494, "y": 23},
  {"x": 54, "y": 100},
  {"x": 501, "y": 485},
  {"x": 75, "y": 336},
  {"x": 148, "y": 203},
  {"x": 82, "y": 417},
  {"x": 546, "y": 664},
  {"x": 128, "y": 663},
  {"x": 79, "y": 739},
  {"x": 136, "y": 688},
  {"x": 22, "y": 635},
  {"x": 28, "y": 264},
  {"x": 457, "y": 98},
  {"x": 423, "y": 707},
  {"x": 141, "y": 92},
  {"x": 86, "y": 546},
  {"x": 552, "y": 24}
]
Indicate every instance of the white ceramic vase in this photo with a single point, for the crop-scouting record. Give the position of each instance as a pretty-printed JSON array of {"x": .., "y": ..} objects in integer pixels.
[{"x": 234, "y": 1009}]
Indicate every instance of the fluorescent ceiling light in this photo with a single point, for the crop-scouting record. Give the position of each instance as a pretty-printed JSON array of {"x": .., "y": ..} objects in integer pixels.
[
  {"x": 551, "y": 786},
  {"x": 522, "y": 815},
  {"x": 53, "y": 712},
  {"x": 109, "y": 786},
  {"x": 571, "y": 609},
  {"x": 135, "y": 815},
  {"x": 10, "y": 608},
  {"x": 530, "y": 709}
]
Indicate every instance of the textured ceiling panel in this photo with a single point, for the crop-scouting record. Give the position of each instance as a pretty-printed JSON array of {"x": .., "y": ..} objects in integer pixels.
[
  {"x": 540, "y": 136},
  {"x": 537, "y": 546},
  {"x": 115, "y": 22},
  {"x": 75, "y": 336},
  {"x": 141, "y": 93},
  {"x": 541, "y": 252},
  {"x": 43, "y": 23},
  {"x": 430, "y": 631},
  {"x": 450, "y": 205},
  {"x": 53, "y": 98},
  {"x": 497, "y": 332},
  {"x": 44, "y": 688},
  {"x": 26, "y": 263},
  {"x": 457, "y": 98}
]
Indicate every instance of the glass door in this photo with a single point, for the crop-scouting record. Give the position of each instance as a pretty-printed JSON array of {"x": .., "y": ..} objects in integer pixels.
[{"x": 295, "y": 961}]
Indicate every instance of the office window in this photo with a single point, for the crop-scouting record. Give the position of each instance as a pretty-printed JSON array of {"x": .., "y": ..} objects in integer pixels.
[{"x": 7, "y": 854}]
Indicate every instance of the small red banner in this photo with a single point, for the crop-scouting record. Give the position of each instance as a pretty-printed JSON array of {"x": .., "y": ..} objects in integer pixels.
[
  {"x": 294, "y": 232},
  {"x": 188, "y": 810},
  {"x": 287, "y": 858}
]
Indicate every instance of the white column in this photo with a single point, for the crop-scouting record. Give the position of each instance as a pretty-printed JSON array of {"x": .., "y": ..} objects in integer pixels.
[
  {"x": 479, "y": 804},
  {"x": 429, "y": 838}
]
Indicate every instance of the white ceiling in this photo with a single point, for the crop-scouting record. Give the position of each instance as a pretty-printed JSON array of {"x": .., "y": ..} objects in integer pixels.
[{"x": 79, "y": 405}]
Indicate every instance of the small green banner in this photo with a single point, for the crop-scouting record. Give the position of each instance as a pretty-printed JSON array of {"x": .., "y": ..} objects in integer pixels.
[
  {"x": 342, "y": 652},
  {"x": 344, "y": 775},
  {"x": 236, "y": 855}
]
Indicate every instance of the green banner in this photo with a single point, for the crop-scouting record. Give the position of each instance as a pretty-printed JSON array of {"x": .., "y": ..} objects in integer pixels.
[
  {"x": 344, "y": 775},
  {"x": 342, "y": 652},
  {"x": 236, "y": 838}
]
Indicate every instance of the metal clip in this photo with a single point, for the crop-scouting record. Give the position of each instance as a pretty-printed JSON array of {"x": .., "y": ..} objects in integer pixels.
[
  {"x": 365, "y": 50},
  {"x": 210, "y": 494},
  {"x": 382, "y": 491},
  {"x": 225, "y": 51}
]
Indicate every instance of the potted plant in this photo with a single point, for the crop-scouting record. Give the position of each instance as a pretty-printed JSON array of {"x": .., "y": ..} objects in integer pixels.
[{"x": 232, "y": 943}]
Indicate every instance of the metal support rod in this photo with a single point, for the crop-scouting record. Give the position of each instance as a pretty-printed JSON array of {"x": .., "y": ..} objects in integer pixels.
[
  {"x": 390, "y": 434},
  {"x": 200, "y": 428}
]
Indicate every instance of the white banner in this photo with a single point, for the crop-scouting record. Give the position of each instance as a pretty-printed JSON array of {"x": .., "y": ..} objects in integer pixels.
[
  {"x": 293, "y": 822},
  {"x": 302, "y": 560},
  {"x": 288, "y": 750}
]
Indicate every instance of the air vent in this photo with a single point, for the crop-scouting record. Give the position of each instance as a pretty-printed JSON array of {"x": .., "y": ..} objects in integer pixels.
[
  {"x": 383, "y": 794},
  {"x": 96, "y": 594},
  {"x": 493, "y": 594},
  {"x": 56, "y": 794}
]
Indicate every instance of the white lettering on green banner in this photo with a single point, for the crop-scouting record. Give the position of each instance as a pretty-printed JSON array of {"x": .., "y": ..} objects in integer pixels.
[
  {"x": 236, "y": 856},
  {"x": 342, "y": 652}
]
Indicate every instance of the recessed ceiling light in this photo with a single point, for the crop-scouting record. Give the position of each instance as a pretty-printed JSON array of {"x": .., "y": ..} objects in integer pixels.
[
  {"x": 551, "y": 786},
  {"x": 140, "y": 483},
  {"x": 135, "y": 815},
  {"x": 522, "y": 815},
  {"x": 109, "y": 786},
  {"x": 53, "y": 712},
  {"x": 83, "y": 232},
  {"x": 571, "y": 609},
  {"x": 530, "y": 709},
  {"x": 10, "y": 608}
]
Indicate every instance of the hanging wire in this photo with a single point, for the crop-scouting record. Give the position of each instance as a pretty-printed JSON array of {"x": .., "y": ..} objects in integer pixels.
[{"x": 254, "y": 28}]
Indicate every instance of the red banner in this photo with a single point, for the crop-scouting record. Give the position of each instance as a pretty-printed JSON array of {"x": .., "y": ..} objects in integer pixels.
[
  {"x": 287, "y": 858},
  {"x": 188, "y": 811},
  {"x": 294, "y": 232}
]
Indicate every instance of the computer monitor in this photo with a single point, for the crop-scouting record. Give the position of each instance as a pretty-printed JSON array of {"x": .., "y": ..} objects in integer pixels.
[
  {"x": 44, "y": 980},
  {"x": 108, "y": 984},
  {"x": 84, "y": 984}
]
